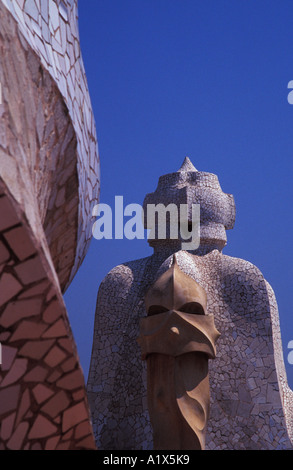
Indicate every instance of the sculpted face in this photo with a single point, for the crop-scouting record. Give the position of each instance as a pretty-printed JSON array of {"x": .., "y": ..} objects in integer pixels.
[
  {"x": 174, "y": 290},
  {"x": 177, "y": 338},
  {"x": 177, "y": 322}
]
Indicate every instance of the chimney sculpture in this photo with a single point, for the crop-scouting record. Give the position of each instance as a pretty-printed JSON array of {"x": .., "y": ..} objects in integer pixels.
[{"x": 169, "y": 309}]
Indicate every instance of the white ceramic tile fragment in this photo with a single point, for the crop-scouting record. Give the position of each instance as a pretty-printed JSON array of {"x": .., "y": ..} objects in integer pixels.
[{"x": 31, "y": 9}]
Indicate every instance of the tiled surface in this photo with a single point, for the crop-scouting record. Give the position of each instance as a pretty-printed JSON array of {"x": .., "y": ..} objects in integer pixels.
[
  {"x": 217, "y": 209},
  {"x": 43, "y": 401},
  {"x": 38, "y": 152},
  {"x": 49, "y": 167},
  {"x": 51, "y": 29},
  {"x": 251, "y": 403}
]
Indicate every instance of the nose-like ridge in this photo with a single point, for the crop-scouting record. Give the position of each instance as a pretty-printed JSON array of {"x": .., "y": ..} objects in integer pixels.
[{"x": 174, "y": 289}]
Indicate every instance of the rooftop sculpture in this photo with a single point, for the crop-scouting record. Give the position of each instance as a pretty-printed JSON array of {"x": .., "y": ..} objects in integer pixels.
[
  {"x": 187, "y": 350},
  {"x": 248, "y": 396}
]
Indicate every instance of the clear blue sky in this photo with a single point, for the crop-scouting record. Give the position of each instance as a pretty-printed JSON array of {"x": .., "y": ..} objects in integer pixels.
[{"x": 207, "y": 79}]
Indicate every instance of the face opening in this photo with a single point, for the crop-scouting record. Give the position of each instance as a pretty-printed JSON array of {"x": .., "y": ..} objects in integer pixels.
[{"x": 193, "y": 308}]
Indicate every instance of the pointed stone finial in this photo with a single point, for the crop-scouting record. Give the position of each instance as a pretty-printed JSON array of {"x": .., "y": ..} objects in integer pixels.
[{"x": 186, "y": 166}]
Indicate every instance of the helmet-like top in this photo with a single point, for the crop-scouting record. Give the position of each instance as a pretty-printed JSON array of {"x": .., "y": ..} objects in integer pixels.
[{"x": 190, "y": 186}]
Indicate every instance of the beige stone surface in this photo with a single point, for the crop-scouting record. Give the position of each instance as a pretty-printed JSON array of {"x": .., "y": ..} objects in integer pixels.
[{"x": 177, "y": 339}]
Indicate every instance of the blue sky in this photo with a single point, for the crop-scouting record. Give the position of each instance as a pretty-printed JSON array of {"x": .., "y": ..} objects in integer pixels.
[{"x": 207, "y": 79}]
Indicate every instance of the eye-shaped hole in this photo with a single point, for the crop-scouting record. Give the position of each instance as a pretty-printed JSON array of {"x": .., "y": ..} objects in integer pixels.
[
  {"x": 192, "y": 307},
  {"x": 156, "y": 309}
]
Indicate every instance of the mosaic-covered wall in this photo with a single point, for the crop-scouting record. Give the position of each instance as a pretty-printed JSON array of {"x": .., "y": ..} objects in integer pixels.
[
  {"x": 49, "y": 180},
  {"x": 51, "y": 30}
]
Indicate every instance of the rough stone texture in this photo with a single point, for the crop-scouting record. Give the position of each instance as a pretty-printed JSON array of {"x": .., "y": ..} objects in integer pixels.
[
  {"x": 251, "y": 403},
  {"x": 49, "y": 179}
]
